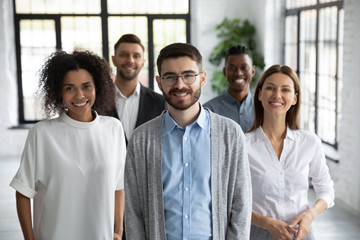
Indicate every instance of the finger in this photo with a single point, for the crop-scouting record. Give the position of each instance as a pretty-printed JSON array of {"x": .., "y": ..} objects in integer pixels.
[{"x": 291, "y": 229}]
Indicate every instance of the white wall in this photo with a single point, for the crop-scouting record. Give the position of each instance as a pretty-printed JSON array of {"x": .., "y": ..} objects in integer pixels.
[
  {"x": 11, "y": 141},
  {"x": 346, "y": 172}
]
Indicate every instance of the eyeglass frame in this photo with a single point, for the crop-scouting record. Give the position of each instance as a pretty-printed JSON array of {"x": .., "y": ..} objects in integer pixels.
[{"x": 180, "y": 76}]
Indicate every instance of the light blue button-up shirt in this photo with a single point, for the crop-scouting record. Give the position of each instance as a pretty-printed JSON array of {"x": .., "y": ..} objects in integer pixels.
[{"x": 186, "y": 171}]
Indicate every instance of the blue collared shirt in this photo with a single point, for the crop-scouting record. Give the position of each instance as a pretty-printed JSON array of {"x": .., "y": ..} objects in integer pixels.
[
  {"x": 186, "y": 172},
  {"x": 228, "y": 106}
]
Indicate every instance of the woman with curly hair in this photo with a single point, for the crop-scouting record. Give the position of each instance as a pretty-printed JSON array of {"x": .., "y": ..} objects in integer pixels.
[
  {"x": 72, "y": 165},
  {"x": 282, "y": 159}
]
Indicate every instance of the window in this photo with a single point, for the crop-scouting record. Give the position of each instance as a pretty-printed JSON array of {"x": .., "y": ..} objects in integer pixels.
[
  {"x": 43, "y": 26},
  {"x": 313, "y": 47}
]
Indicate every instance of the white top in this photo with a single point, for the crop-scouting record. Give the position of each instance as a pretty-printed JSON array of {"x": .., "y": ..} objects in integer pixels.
[
  {"x": 127, "y": 109},
  {"x": 280, "y": 187},
  {"x": 72, "y": 170}
]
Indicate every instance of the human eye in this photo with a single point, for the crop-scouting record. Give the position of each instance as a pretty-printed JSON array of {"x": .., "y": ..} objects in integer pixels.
[
  {"x": 68, "y": 88},
  {"x": 245, "y": 67},
  {"x": 189, "y": 76},
  {"x": 87, "y": 87},
  {"x": 123, "y": 55},
  {"x": 170, "y": 77},
  {"x": 268, "y": 87},
  {"x": 232, "y": 68},
  {"x": 286, "y": 90}
]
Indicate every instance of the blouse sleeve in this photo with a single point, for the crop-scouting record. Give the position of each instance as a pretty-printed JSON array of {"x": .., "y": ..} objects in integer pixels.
[
  {"x": 121, "y": 158},
  {"x": 319, "y": 173},
  {"x": 25, "y": 179}
]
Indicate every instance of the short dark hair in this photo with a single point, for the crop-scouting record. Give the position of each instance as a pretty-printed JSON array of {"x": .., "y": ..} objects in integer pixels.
[
  {"x": 129, "y": 38},
  {"x": 176, "y": 50},
  {"x": 238, "y": 50},
  {"x": 54, "y": 70}
]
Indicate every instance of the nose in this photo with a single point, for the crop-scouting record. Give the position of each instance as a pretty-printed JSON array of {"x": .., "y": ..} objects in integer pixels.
[
  {"x": 277, "y": 93},
  {"x": 179, "y": 82},
  {"x": 131, "y": 59},
  {"x": 79, "y": 94},
  {"x": 238, "y": 71}
]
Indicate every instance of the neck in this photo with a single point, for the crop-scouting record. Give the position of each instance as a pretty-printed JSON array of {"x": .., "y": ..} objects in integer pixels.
[
  {"x": 126, "y": 87},
  {"x": 238, "y": 95},
  {"x": 185, "y": 117},
  {"x": 274, "y": 127}
]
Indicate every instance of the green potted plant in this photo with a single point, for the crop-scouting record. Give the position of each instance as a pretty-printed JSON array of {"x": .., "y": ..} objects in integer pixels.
[{"x": 234, "y": 32}]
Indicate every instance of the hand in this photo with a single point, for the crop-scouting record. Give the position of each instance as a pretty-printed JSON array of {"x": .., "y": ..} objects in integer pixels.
[
  {"x": 117, "y": 236},
  {"x": 279, "y": 230},
  {"x": 304, "y": 221}
]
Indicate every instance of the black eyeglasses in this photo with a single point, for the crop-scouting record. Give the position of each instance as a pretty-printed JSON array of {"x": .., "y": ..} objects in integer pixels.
[{"x": 187, "y": 78}]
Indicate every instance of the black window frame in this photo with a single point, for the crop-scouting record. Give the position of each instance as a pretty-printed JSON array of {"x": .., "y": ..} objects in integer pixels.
[
  {"x": 104, "y": 15},
  {"x": 297, "y": 12}
]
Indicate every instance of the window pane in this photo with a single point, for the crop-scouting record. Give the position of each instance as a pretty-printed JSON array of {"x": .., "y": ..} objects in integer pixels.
[
  {"x": 166, "y": 32},
  {"x": 308, "y": 67},
  {"x": 307, "y": 110},
  {"x": 38, "y": 41},
  {"x": 326, "y": 1},
  {"x": 299, "y": 3},
  {"x": 136, "y": 25},
  {"x": 291, "y": 41},
  {"x": 148, "y": 6},
  {"x": 58, "y": 6},
  {"x": 327, "y": 69},
  {"x": 326, "y": 110},
  {"x": 81, "y": 33}
]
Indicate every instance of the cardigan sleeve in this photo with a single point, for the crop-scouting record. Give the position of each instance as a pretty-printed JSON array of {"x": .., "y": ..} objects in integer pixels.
[
  {"x": 240, "y": 221},
  {"x": 134, "y": 220}
]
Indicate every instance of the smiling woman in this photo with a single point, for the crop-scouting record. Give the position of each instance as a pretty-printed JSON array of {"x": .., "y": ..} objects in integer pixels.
[
  {"x": 79, "y": 154},
  {"x": 284, "y": 158},
  {"x": 78, "y": 93}
]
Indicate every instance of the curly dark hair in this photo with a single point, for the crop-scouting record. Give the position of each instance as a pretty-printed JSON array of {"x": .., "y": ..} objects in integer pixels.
[{"x": 54, "y": 70}]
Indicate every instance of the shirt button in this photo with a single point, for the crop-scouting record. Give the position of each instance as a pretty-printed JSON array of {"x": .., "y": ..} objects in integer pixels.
[
  {"x": 186, "y": 189},
  {"x": 186, "y": 216},
  {"x": 186, "y": 164},
  {"x": 185, "y": 138}
]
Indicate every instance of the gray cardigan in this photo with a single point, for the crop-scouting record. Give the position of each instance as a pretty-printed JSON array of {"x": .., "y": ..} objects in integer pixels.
[{"x": 230, "y": 182}]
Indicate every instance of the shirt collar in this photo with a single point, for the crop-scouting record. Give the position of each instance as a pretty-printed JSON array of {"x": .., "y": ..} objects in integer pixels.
[
  {"x": 247, "y": 101},
  {"x": 260, "y": 135},
  {"x": 135, "y": 93},
  {"x": 202, "y": 120}
]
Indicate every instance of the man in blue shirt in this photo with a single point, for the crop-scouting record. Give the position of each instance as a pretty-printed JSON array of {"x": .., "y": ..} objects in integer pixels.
[
  {"x": 237, "y": 102},
  {"x": 187, "y": 173}
]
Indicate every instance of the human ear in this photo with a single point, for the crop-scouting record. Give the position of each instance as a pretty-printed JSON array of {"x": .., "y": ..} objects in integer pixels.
[{"x": 158, "y": 81}]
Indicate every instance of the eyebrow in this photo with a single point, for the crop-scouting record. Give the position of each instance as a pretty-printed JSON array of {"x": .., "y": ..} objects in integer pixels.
[
  {"x": 184, "y": 72},
  {"x": 71, "y": 84},
  {"x": 269, "y": 83}
]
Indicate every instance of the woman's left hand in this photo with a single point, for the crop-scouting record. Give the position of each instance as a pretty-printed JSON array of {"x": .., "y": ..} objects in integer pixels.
[{"x": 304, "y": 221}]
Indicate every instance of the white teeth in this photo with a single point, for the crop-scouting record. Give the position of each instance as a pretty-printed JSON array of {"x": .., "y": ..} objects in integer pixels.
[
  {"x": 277, "y": 104},
  {"x": 80, "y": 104},
  {"x": 181, "y": 94},
  {"x": 239, "y": 80}
]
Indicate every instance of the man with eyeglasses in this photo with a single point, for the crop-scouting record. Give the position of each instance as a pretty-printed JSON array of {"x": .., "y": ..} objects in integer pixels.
[
  {"x": 237, "y": 102},
  {"x": 187, "y": 173}
]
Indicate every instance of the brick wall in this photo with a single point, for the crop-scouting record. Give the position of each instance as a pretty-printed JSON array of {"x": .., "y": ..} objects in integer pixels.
[{"x": 346, "y": 172}]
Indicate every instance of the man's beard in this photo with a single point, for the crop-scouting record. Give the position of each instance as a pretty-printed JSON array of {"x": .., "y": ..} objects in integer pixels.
[
  {"x": 180, "y": 105},
  {"x": 128, "y": 77}
]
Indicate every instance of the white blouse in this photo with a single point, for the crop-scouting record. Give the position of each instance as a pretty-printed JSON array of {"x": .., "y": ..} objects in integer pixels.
[{"x": 280, "y": 187}]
